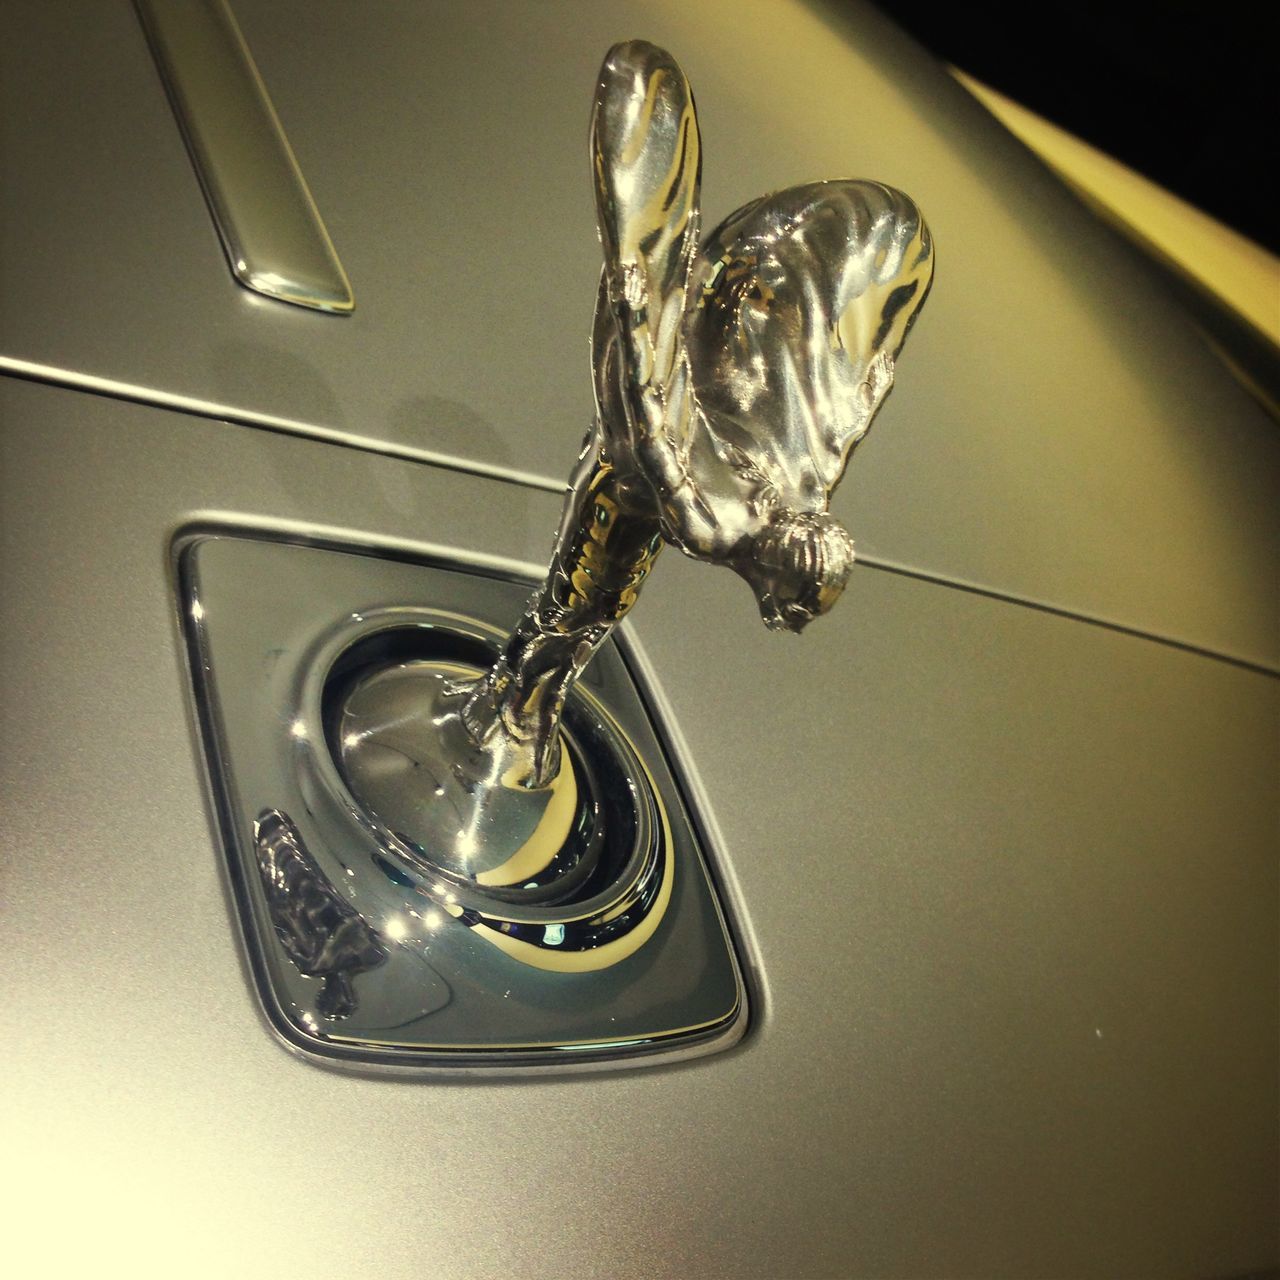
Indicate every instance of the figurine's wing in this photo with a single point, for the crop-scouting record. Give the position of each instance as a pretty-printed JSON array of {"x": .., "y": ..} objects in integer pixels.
[
  {"x": 646, "y": 157},
  {"x": 799, "y": 305}
]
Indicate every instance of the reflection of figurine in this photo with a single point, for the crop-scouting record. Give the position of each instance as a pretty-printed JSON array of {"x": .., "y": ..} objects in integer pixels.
[
  {"x": 319, "y": 930},
  {"x": 732, "y": 384}
]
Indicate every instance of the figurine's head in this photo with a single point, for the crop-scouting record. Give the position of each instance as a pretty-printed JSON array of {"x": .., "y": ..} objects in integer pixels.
[{"x": 797, "y": 566}]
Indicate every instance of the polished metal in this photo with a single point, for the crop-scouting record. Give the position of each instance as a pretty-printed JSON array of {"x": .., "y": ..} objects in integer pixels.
[
  {"x": 400, "y": 733},
  {"x": 578, "y": 891},
  {"x": 370, "y": 948},
  {"x": 323, "y": 935},
  {"x": 732, "y": 382},
  {"x": 272, "y": 231}
]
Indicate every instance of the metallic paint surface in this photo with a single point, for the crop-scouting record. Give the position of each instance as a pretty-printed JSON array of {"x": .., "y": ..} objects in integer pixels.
[
  {"x": 1071, "y": 440},
  {"x": 1019, "y": 979}
]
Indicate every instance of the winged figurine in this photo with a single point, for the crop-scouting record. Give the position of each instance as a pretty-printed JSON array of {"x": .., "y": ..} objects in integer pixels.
[{"x": 733, "y": 379}]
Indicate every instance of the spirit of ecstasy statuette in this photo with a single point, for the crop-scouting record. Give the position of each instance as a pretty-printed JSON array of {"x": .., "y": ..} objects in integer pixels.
[
  {"x": 732, "y": 382},
  {"x": 447, "y": 849}
]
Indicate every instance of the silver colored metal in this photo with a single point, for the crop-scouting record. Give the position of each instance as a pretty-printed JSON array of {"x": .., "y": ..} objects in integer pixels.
[
  {"x": 324, "y": 936},
  {"x": 271, "y": 229},
  {"x": 732, "y": 382},
  {"x": 367, "y": 949},
  {"x": 402, "y": 735}
]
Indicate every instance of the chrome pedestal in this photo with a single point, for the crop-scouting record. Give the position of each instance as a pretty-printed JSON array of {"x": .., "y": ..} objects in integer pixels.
[{"x": 373, "y": 946}]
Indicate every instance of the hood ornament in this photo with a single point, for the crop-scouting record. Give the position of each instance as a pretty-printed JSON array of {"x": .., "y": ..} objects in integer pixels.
[
  {"x": 445, "y": 858},
  {"x": 732, "y": 382}
]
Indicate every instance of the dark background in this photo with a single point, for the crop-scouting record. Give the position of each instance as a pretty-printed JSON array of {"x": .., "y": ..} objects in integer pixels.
[{"x": 1186, "y": 96}]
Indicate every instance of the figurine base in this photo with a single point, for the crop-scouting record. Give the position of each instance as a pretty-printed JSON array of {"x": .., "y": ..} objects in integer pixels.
[
  {"x": 365, "y": 948},
  {"x": 408, "y": 758}
]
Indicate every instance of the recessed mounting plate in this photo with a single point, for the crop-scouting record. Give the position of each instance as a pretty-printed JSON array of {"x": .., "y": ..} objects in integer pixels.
[{"x": 355, "y": 960}]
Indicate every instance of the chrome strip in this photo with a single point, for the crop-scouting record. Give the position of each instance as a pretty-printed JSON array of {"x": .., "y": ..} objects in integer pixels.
[
  {"x": 92, "y": 383},
  {"x": 1258, "y": 666},
  {"x": 270, "y": 227}
]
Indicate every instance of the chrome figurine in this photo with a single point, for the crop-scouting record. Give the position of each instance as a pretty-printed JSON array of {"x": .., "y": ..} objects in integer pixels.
[{"x": 732, "y": 382}]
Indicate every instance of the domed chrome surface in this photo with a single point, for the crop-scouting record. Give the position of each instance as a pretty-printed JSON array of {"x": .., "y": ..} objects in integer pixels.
[
  {"x": 412, "y": 764},
  {"x": 594, "y": 882}
]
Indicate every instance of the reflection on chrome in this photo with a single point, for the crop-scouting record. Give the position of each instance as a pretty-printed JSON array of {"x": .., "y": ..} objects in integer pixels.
[{"x": 322, "y": 934}]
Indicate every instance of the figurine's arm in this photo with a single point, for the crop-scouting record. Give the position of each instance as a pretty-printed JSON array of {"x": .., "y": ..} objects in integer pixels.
[{"x": 646, "y": 158}]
